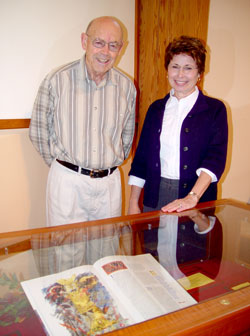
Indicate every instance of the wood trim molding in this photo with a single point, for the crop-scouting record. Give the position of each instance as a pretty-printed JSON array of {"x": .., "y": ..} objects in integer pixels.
[
  {"x": 115, "y": 220},
  {"x": 14, "y": 123}
]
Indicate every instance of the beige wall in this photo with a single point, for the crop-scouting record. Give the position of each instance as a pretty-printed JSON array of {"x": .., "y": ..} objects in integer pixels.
[
  {"x": 228, "y": 79},
  {"x": 23, "y": 173},
  {"x": 22, "y": 183}
]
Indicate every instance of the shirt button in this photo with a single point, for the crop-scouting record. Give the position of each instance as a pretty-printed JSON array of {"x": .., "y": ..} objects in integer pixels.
[
  {"x": 95, "y": 108},
  {"x": 185, "y": 149},
  {"x": 185, "y": 167}
]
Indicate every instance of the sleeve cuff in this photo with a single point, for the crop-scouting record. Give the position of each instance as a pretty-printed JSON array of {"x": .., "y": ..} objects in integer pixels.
[
  {"x": 137, "y": 181},
  {"x": 213, "y": 176},
  {"x": 211, "y": 225}
]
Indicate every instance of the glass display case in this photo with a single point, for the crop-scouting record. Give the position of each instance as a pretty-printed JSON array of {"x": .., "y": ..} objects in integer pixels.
[{"x": 200, "y": 258}]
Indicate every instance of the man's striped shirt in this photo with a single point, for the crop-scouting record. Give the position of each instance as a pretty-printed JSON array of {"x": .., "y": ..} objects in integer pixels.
[{"x": 75, "y": 120}]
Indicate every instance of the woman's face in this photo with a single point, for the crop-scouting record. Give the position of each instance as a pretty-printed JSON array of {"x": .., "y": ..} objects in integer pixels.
[{"x": 183, "y": 75}]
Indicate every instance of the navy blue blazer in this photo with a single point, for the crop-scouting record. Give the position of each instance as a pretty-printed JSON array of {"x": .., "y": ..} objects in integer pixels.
[{"x": 203, "y": 143}]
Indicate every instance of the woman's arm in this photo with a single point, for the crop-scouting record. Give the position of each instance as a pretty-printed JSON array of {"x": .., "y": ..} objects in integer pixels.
[
  {"x": 134, "y": 200},
  {"x": 192, "y": 198}
]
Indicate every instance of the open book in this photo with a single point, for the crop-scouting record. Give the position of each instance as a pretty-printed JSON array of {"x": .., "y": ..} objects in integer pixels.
[{"x": 115, "y": 292}]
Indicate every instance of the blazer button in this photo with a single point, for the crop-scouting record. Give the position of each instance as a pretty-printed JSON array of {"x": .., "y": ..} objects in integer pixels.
[
  {"x": 184, "y": 185},
  {"x": 185, "y": 149},
  {"x": 185, "y": 167},
  {"x": 187, "y": 130}
]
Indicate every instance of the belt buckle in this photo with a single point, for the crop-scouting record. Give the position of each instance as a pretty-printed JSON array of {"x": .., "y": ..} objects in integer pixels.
[{"x": 93, "y": 172}]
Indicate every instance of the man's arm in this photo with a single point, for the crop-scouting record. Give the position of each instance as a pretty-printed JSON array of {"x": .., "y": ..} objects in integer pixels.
[
  {"x": 42, "y": 121},
  {"x": 129, "y": 128}
]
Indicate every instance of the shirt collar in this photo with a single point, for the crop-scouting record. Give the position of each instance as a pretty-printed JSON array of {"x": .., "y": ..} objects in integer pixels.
[
  {"x": 110, "y": 78},
  {"x": 192, "y": 97},
  {"x": 185, "y": 103}
]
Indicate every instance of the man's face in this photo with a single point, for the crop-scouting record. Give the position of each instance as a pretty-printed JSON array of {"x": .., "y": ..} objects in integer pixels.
[{"x": 99, "y": 57}]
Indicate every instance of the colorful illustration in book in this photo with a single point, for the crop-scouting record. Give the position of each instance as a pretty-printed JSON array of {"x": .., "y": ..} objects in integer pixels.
[
  {"x": 113, "y": 267},
  {"x": 83, "y": 305}
]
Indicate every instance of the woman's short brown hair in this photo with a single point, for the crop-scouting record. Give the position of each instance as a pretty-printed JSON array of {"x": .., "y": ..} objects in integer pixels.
[{"x": 191, "y": 46}]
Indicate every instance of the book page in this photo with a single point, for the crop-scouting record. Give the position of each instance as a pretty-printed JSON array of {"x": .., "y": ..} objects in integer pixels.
[
  {"x": 115, "y": 292},
  {"x": 149, "y": 288},
  {"x": 76, "y": 302}
]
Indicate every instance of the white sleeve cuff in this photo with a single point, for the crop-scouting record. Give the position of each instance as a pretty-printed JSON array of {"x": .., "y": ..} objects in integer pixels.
[
  {"x": 137, "y": 181},
  {"x": 213, "y": 176},
  {"x": 211, "y": 225}
]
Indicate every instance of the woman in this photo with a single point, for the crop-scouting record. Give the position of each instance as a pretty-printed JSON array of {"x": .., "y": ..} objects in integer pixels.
[{"x": 182, "y": 150}]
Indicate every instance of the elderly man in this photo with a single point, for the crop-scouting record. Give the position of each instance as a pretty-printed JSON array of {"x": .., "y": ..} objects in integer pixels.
[{"x": 83, "y": 126}]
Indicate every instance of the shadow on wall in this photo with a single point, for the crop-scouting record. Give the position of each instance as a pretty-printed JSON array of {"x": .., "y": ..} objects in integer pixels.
[
  {"x": 229, "y": 150},
  {"x": 36, "y": 174},
  {"x": 124, "y": 170}
]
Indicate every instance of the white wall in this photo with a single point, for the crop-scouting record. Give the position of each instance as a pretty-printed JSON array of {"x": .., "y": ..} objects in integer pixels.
[
  {"x": 228, "y": 79},
  {"x": 36, "y": 36}
]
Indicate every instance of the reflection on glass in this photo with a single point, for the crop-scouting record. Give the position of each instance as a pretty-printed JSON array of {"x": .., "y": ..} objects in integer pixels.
[
  {"x": 187, "y": 244},
  {"x": 62, "y": 250}
]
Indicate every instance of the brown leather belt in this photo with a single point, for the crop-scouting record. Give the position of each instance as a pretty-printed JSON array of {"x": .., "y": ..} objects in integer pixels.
[{"x": 94, "y": 173}]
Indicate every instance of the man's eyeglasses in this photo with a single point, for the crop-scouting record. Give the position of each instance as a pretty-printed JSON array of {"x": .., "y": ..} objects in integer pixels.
[{"x": 98, "y": 43}]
